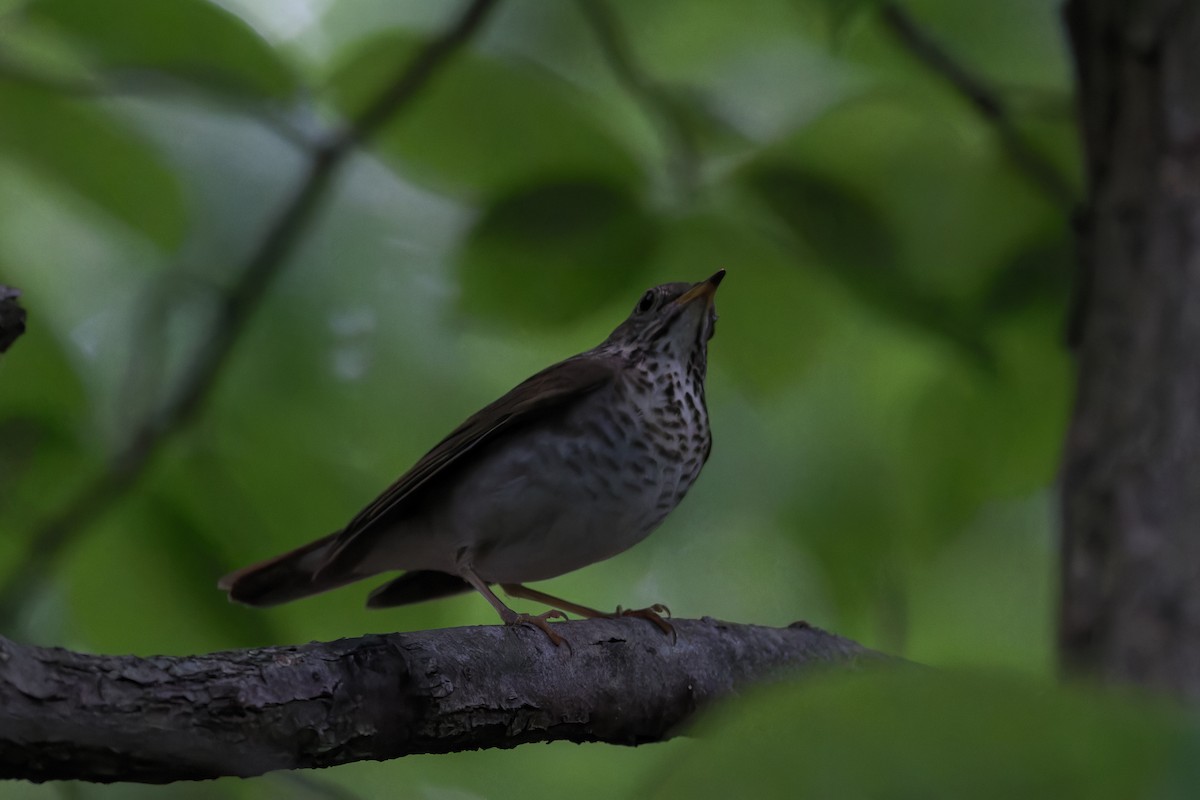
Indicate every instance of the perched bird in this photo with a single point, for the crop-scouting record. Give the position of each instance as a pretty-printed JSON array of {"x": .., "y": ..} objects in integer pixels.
[{"x": 571, "y": 467}]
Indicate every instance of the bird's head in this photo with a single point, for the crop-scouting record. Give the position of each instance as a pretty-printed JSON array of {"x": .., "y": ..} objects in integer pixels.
[{"x": 674, "y": 320}]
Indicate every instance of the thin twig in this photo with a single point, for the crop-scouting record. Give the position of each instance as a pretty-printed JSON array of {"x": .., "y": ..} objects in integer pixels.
[
  {"x": 683, "y": 157},
  {"x": 1040, "y": 170},
  {"x": 266, "y": 261}
]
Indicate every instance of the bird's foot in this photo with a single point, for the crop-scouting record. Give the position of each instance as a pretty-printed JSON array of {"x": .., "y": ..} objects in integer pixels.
[
  {"x": 654, "y": 614},
  {"x": 541, "y": 622}
]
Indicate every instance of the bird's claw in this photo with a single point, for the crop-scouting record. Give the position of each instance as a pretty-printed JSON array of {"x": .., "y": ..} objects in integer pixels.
[
  {"x": 541, "y": 622},
  {"x": 654, "y": 614}
]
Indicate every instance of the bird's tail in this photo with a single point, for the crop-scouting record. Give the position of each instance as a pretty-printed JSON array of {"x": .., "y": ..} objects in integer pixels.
[{"x": 287, "y": 577}]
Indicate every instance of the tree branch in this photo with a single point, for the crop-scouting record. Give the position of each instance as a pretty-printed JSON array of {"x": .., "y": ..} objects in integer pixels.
[
  {"x": 12, "y": 317},
  {"x": 264, "y": 264},
  {"x": 1040, "y": 170},
  {"x": 66, "y": 715}
]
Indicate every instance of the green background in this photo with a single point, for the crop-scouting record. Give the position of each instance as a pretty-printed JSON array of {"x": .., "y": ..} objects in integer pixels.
[{"x": 888, "y": 386}]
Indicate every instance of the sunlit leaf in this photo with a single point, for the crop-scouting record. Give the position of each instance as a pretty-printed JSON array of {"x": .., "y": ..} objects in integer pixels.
[
  {"x": 549, "y": 253},
  {"x": 192, "y": 39},
  {"x": 483, "y": 123},
  {"x": 93, "y": 154}
]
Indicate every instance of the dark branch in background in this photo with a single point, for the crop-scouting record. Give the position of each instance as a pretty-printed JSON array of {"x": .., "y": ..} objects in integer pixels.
[
  {"x": 1040, "y": 170},
  {"x": 12, "y": 317},
  {"x": 657, "y": 102},
  {"x": 162, "y": 719},
  {"x": 264, "y": 264}
]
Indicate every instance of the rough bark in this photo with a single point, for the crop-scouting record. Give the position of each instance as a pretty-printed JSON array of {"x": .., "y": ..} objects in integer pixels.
[
  {"x": 66, "y": 715},
  {"x": 1131, "y": 479}
]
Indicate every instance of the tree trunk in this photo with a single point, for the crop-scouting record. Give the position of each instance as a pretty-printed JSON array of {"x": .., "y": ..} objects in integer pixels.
[{"x": 1131, "y": 474}]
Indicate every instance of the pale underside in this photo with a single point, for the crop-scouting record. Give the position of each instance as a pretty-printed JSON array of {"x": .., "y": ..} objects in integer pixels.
[{"x": 554, "y": 498}]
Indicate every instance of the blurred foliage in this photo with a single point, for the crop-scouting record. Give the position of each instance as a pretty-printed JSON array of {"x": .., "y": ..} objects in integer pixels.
[
  {"x": 189, "y": 39},
  {"x": 486, "y": 123},
  {"x": 888, "y": 384},
  {"x": 924, "y": 734},
  {"x": 95, "y": 155}
]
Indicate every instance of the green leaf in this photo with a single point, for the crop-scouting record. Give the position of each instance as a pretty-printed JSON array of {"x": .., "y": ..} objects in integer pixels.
[
  {"x": 146, "y": 582},
  {"x": 848, "y": 236},
  {"x": 1036, "y": 278},
  {"x": 483, "y": 123},
  {"x": 191, "y": 39},
  {"x": 553, "y": 252},
  {"x": 41, "y": 56},
  {"x": 844, "y": 230},
  {"x": 852, "y": 532},
  {"x": 954, "y": 206},
  {"x": 980, "y": 435},
  {"x": 841, "y": 14},
  {"x": 920, "y": 733},
  {"x": 193, "y": 561},
  {"x": 93, "y": 154}
]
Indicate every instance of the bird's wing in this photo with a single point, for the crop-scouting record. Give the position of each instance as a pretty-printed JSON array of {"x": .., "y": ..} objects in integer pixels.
[{"x": 552, "y": 389}]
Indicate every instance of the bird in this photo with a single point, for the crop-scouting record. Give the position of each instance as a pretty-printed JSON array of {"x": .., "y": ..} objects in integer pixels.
[{"x": 574, "y": 465}]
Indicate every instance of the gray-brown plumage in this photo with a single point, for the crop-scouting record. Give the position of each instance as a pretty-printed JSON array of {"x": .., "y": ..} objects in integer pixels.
[{"x": 578, "y": 463}]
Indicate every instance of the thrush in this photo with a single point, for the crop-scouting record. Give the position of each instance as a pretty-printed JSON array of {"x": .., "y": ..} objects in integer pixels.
[{"x": 573, "y": 466}]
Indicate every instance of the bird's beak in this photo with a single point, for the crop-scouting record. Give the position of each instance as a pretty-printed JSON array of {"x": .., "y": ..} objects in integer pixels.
[{"x": 706, "y": 289}]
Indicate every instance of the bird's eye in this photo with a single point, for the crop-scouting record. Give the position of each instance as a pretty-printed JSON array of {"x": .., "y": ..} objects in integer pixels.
[{"x": 646, "y": 303}]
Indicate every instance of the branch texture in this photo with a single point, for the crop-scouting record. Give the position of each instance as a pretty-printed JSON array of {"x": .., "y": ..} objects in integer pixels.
[{"x": 66, "y": 715}]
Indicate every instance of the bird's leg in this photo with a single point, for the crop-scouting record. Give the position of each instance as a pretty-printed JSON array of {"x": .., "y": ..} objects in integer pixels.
[
  {"x": 525, "y": 593},
  {"x": 653, "y": 613},
  {"x": 510, "y": 617}
]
